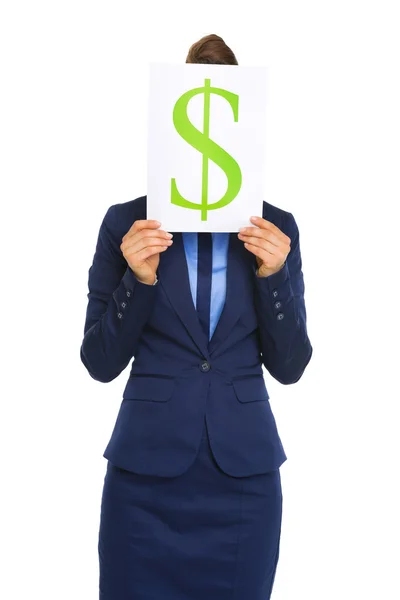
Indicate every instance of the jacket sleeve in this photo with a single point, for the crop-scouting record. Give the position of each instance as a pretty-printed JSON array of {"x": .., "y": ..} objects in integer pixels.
[
  {"x": 281, "y": 311},
  {"x": 118, "y": 307}
]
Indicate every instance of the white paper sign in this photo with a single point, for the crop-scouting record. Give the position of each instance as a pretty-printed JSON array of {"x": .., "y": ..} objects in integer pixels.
[{"x": 206, "y": 146}]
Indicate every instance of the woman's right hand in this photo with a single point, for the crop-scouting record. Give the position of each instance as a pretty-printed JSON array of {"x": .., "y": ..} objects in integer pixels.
[{"x": 141, "y": 247}]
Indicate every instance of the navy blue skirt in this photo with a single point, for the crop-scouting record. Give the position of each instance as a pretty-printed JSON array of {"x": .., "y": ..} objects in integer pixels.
[{"x": 201, "y": 536}]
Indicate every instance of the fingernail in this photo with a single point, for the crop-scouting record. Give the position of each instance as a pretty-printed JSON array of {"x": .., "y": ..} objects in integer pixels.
[
  {"x": 169, "y": 235},
  {"x": 242, "y": 229},
  {"x": 253, "y": 218}
]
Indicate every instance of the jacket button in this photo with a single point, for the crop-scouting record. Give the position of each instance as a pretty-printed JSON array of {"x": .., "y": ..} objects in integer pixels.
[
  {"x": 128, "y": 293},
  {"x": 278, "y": 304},
  {"x": 205, "y": 366},
  {"x": 119, "y": 315},
  {"x": 123, "y": 304},
  {"x": 275, "y": 293},
  {"x": 280, "y": 316}
]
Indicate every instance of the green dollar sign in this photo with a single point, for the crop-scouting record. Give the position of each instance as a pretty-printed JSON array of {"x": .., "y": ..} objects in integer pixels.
[{"x": 210, "y": 150}]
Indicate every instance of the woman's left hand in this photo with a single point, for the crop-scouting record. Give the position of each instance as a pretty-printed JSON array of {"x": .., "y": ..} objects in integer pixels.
[{"x": 268, "y": 243}]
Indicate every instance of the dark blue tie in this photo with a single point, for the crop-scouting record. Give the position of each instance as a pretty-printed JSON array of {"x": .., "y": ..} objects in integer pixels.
[{"x": 204, "y": 276}]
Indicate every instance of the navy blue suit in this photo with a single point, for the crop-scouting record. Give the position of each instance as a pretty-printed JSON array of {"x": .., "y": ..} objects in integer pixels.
[{"x": 178, "y": 380}]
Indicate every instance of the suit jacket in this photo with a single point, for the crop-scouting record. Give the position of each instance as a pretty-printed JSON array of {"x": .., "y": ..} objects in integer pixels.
[{"x": 177, "y": 377}]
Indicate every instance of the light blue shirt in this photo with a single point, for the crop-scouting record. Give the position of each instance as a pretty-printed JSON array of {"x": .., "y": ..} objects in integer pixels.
[{"x": 219, "y": 265}]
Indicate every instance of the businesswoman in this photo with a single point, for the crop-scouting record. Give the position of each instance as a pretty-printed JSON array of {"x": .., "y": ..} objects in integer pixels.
[{"x": 192, "y": 501}]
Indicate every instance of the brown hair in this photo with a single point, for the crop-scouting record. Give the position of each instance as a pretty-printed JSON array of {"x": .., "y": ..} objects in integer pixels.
[{"x": 211, "y": 49}]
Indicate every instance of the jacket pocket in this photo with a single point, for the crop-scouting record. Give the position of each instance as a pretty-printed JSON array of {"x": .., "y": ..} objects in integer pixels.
[
  {"x": 250, "y": 389},
  {"x": 150, "y": 389}
]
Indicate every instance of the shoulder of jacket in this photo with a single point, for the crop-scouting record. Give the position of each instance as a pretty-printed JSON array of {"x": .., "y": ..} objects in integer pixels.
[
  {"x": 120, "y": 217},
  {"x": 283, "y": 219}
]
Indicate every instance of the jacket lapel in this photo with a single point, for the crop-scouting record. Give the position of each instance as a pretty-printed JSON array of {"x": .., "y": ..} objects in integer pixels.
[
  {"x": 174, "y": 278},
  {"x": 236, "y": 277}
]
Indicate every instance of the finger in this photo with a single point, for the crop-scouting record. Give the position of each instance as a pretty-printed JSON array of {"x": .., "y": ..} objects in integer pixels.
[
  {"x": 270, "y": 260},
  {"x": 129, "y": 240},
  {"x": 265, "y": 234},
  {"x": 145, "y": 242},
  {"x": 150, "y": 251},
  {"x": 260, "y": 243},
  {"x": 267, "y": 225},
  {"x": 260, "y": 252},
  {"x": 142, "y": 224}
]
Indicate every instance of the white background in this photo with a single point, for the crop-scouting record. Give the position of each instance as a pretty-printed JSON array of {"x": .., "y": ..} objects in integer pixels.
[
  {"x": 73, "y": 142},
  {"x": 171, "y": 156}
]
